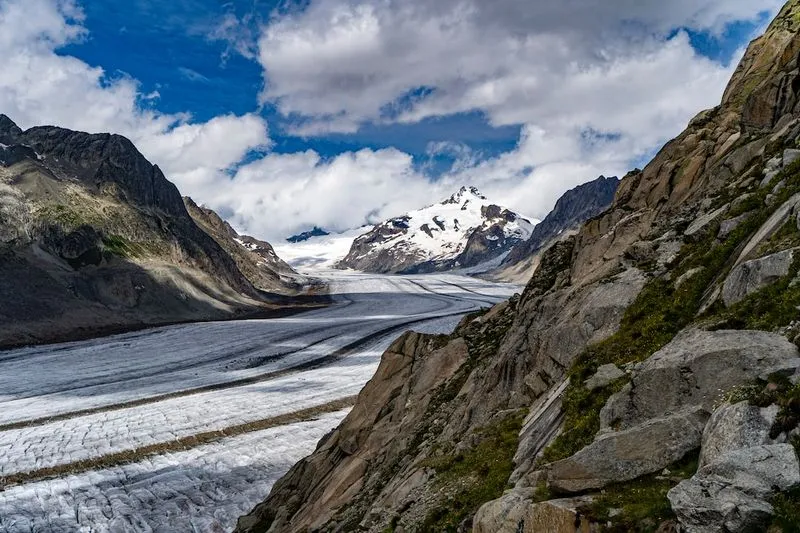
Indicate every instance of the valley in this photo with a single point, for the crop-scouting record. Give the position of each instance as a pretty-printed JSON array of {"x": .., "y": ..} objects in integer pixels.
[{"x": 187, "y": 427}]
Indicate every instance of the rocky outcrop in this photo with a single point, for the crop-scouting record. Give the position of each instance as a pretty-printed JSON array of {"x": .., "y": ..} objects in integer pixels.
[
  {"x": 732, "y": 493},
  {"x": 751, "y": 276},
  {"x": 696, "y": 370},
  {"x": 95, "y": 239},
  {"x": 734, "y": 427},
  {"x": 605, "y": 376},
  {"x": 631, "y": 453},
  {"x": 351, "y": 460},
  {"x": 513, "y": 513}
]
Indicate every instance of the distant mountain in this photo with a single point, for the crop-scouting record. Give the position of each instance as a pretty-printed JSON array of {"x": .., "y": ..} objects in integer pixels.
[
  {"x": 94, "y": 238},
  {"x": 256, "y": 259},
  {"x": 302, "y": 237},
  {"x": 462, "y": 231},
  {"x": 574, "y": 208}
]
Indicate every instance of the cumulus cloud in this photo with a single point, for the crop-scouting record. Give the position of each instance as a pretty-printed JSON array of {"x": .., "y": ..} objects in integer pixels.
[
  {"x": 340, "y": 63},
  {"x": 39, "y": 86},
  {"x": 282, "y": 193},
  {"x": 596, "y": 85}
]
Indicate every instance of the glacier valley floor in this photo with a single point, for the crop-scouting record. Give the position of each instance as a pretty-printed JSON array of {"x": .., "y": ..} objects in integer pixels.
[{"x": 185, "y": 428}]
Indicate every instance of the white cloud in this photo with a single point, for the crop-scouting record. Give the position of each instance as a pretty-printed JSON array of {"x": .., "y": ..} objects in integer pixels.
[
  {"x": 39, "y": 86},
  {"x": 596, "y": 84},
  {"x": 341, "y": 63},
  {"x": 281, "y": 194}
]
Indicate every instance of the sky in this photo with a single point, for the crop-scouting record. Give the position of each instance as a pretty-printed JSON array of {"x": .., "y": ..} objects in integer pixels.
[{"x": 287, "y": 114}]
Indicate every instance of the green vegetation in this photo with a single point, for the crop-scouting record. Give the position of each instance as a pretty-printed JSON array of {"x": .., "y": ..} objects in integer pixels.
[
  {"x": 640, "y": 505},
  {"x": 122, "y": 247},
  {"x": 476, "y": 476},
  {"x": 63, "y": 215},
  {"x": 787, "y": 512},
  {"x": 661, "y": 310},
  {"x": 770, "y": 308}
]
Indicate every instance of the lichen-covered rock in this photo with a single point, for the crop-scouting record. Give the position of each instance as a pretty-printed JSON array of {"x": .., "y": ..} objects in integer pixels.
[
  {"x": 733, "y": 427},
  {"x": 516, "y": 512},
  {"x": 604, "y": 376},
  {"x": 727, "y": 227},
  {"x": 731, "y": 494},
  {"x": 702, "y": 222},
  {"x": 629, "y": 454},
  {"x": 751, "y": 276},
  {"x": 696, "y": 369}
]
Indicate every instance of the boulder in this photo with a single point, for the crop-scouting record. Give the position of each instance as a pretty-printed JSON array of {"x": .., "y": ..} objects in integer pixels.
[
  {"x": 732, "y": 494},
  {"x": 751, "y": 276},
  {"x": 729, "y": 226},
  {"x": 703, "y": 221},
  {"x": 606, "y": 375},
  {"x": 629, "y": 454},
  {"x": 696, "y": 369},
  {"x": 770, "y": 227},
  {"x": 515, "y": 512},
  {"x": 733, "y": 427},
  {"x": 790, "y": 156}
]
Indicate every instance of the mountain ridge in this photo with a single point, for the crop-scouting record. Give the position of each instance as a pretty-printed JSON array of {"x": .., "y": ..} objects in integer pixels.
[
  {"x": 100, "y": 240},
  {"x": 463, "y": 230}
]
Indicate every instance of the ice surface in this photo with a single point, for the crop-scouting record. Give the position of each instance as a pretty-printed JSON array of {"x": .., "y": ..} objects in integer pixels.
[
  {"x": 204, "y": 489},
  {"x": 187, "y": 380}
]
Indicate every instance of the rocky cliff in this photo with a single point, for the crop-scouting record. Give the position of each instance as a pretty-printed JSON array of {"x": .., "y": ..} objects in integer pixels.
[
  {"x": 94, "y": 238},
  {"x": 463, "y": 231},
  {"x": 574, "y": 208},
  {"x": 646, "y": 379}
]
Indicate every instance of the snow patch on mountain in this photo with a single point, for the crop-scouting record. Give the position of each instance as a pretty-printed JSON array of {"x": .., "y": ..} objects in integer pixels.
[
  {"x": 461, "y": 231},
  {"x": 318, "y": 253}
]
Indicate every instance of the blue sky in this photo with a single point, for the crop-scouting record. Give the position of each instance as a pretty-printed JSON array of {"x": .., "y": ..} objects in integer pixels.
[
  {"x": 167, "y": 47},
  {"x": 284, "y": 115}
]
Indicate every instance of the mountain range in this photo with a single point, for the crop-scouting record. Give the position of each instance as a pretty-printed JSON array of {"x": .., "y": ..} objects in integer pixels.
[{"x": 94, "y": 238}]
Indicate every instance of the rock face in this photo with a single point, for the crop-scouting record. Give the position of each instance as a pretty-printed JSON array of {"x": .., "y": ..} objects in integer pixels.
[
  {"x": 256, "y": 259},
  {"x": 751, "y": 276},
  {"x": 574, "y": 208},
  {"x": 734, "y": 427},
  {"x": 605, "y": 294},
  {"x": 463, "y": 231},
  {"x": 695, "y": 370},
  {"x": 95, "y": 239},
  {"x": 732, "y": 493},
  {"x": 511, "y": 514},
  {"x": 605, "y": 375},
  {"x": 660, "y": 416},
  {"x": 631, "y": 453}
]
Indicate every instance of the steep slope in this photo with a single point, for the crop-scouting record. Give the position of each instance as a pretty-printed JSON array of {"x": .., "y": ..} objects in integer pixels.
[
  {"x": 574, "y": 208},
  {"x": 644, "y": 380},
  {"x": 94, "y": 238},
  {"x": 462, "y": 231},
  {"x": 256, "y": 259}
]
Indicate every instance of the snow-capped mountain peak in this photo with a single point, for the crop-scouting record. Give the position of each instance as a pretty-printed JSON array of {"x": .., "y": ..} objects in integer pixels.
[
  {"x": 465, "y": 194},
  {"x": 463, "y": 230}
]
